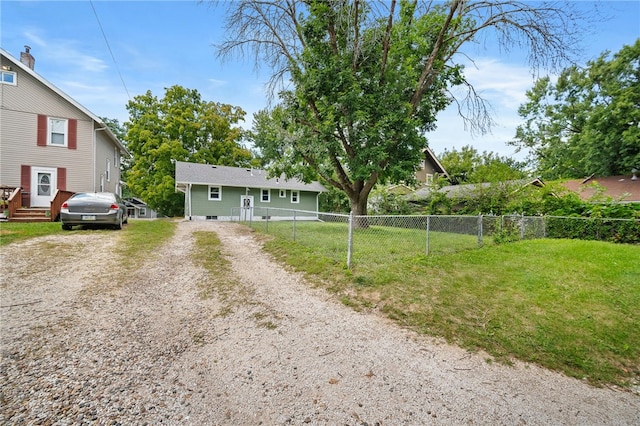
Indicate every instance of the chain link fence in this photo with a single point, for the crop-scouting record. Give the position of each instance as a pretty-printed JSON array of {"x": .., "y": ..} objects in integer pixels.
[{"x": 354, "y": 239}]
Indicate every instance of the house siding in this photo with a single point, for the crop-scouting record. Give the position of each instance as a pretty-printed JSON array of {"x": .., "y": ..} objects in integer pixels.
[
  {"x": 19, "y": 110},
  {"x": 201, "y": 206}
]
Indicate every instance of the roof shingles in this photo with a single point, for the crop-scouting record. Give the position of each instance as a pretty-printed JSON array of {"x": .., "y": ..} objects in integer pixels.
[{"x": 207, "y": 174}]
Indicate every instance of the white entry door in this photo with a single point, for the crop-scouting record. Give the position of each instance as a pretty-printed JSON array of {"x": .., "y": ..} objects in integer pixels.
[
  {"x": 43, "y": 186},
  {"x": 246, "y": 207}
]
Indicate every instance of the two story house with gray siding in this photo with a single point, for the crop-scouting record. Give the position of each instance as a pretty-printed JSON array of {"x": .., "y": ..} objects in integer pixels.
[
  {"x": 215, "y": 192},
  {"x": 48, "y": 141}
]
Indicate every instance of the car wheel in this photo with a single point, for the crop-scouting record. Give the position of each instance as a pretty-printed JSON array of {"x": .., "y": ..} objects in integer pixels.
[
  {"x": 66, "y": 227},
  {"x": 119, "y": 224}
]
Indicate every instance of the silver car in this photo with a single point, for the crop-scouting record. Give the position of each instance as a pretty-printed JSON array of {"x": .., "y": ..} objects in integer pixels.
[{"x": 93, "y": 209}]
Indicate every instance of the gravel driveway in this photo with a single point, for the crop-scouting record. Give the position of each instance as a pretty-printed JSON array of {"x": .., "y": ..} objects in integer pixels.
[{"x": 83, "y": 343}]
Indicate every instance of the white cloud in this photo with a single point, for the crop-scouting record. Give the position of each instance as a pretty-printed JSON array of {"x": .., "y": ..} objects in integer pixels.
[{"x": 504, "y": 86}]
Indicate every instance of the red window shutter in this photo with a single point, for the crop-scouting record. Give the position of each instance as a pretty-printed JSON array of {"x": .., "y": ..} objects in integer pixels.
[
  {"x": 62, "y": 178},
  {"x": 73, "y": 134},
  {"x": 42, "y": 130},
  {"x": 25, "y": 178}
]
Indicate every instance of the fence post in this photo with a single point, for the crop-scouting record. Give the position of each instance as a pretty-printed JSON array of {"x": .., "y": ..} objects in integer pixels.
[
  {"x": 480, "y": 230},
  {"x": 294, "y": 225},
  {"x": 350, "y": 240},
  {"x": 428, "y": 223},
  {"x": 522, "y": 227},
  {"x": 267, "y": 220}
]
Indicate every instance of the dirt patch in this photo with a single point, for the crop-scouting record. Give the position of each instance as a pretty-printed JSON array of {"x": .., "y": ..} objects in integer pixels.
[{"x": 79, "y": 348}]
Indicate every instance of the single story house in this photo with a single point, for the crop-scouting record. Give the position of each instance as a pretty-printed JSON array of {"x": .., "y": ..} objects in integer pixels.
[
  {"x": 215, "y": 192},
  {"x": 469, "y": 189},
  {"x": 624, "y": 188},
  {"x": 138, "y": 209}
]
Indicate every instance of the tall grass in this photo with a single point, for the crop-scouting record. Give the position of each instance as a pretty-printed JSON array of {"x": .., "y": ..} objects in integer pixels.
[{"x": 568, "y": 305}]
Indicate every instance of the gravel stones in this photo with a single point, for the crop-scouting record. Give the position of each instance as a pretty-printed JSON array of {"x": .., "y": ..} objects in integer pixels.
[{"x": 84, "y": 345}]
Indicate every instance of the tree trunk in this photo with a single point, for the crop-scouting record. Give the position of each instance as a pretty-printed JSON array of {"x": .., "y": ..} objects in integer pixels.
[{"x": 359, "y": 211}]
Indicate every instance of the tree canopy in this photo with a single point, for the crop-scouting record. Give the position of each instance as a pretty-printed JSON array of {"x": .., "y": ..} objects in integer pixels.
[
  {"x": 179, "y": 127},
  {"x": 469, "y": 166},
  {"x": 363, "y": 81},
  {"x": 588, "y": 122}
]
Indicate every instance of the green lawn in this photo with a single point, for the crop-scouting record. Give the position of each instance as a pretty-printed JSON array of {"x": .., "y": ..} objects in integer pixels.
[
  {"x": 16, "y": 231},
  {"x": 568, "y": 305}
]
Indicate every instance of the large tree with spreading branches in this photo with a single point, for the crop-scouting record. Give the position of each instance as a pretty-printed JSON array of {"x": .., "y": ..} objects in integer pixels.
[
  {"x": 360, "y": 82},
  {"x": 181, "y": 126},
  {"x": 587, "y": 121}
]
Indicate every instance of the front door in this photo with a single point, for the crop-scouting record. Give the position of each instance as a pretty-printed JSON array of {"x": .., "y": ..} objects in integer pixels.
[
  {"x": 246, "y": 207},
  {"x": 43, "y": 186}
]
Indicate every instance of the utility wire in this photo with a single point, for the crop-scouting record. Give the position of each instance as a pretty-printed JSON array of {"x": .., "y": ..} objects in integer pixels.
[{"x": 109, "y": 47}]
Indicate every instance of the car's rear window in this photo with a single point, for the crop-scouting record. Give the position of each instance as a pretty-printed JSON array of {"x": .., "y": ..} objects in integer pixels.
[{"x": 82, "y": 196}]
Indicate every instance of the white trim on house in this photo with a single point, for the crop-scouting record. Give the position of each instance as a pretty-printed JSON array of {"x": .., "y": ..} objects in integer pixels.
[{"x": 211, "y": 192}]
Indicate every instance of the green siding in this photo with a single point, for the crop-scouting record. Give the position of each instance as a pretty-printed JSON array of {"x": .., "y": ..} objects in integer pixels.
[{"x": 231, "y": 198}]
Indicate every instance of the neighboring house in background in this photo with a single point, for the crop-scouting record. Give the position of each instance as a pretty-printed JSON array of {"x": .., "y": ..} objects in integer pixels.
[
  {"x": 458, "y": 193},
  {"x": 138, "y": 209},
  {"x": 223, "y": 193},
  {"x": 49, "y": 141},
  {"x": 625, "y": 189},
  {"x": 430, "y": 168}
]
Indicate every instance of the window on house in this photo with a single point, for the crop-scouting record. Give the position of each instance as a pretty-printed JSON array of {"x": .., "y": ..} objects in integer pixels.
[
  {"x": 57, "y": 134},
  {"x": 142, "y": 212},
  {"x": 283, "y": 193},
  {"x": 101, "y": 183},
  {"x": 429, "y": 179},
  {"x": 8, "y": 77},
  {"x": 215, "y": 193},
  {"x": 266, "y": 195},
  {"x": 115, "y": 157},
  {"x": 108, "y": 170},
  {"x": 295, "y": 196}
]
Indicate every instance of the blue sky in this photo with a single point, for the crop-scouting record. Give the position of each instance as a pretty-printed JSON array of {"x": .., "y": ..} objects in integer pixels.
[{"x": 157, "y": 44}]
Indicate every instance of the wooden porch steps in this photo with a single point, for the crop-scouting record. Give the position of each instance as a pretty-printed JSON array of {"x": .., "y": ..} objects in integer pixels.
[{"x": 31, "y": 215}]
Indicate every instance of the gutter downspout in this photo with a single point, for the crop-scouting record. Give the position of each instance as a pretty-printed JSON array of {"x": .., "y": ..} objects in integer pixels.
[
  {"x": 95, "y": 156},
  {"x": 189, "y": 195}
]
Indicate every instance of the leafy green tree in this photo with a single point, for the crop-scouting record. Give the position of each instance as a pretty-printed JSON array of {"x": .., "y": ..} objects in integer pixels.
[
  {"x": 588, "y": 122},
  {"x": 469, "y": 166},
  {"x": 364, "y": 81},
  {"x": 179, "y": 127}
]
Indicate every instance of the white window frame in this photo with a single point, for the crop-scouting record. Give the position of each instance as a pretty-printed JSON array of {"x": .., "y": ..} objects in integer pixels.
[
  {"x": 115, "y": 157},
  {"x": 283, "y": 193},
  {"x": 267, "y": 193},
  {"x": 108, "y": 170},
  {"x": 295, "y": 197},
  {"x": 13, "y": 81},
  {"x": 65, "y": 135},
  {"x": 101, "y": 183},
  {"x": 219, "y": 193},
  {"x": 142, "y": 212}
]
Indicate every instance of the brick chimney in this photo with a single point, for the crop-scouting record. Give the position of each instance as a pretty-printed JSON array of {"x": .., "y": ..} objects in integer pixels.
[{"x": 27, "y": 58}]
